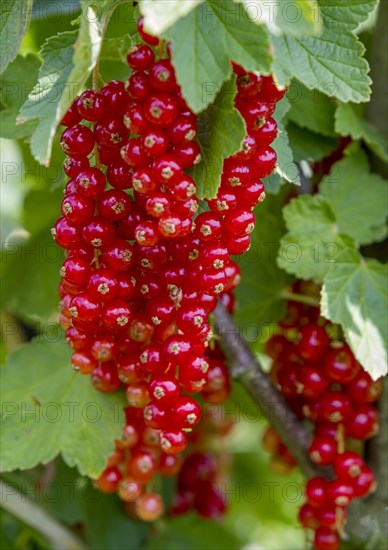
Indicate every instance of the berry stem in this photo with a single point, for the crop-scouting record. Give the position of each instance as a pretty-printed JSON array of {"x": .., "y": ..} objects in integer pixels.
[
  {"x": 245, "y": 368},
  {"x": 30, "y": 513},
  {"x": 300, "y": 298}
]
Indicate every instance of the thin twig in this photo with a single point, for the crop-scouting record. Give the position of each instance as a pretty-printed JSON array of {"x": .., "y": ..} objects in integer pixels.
[
  {"x": 245, "y": 368},
  {"x": 33, "y": 515}
]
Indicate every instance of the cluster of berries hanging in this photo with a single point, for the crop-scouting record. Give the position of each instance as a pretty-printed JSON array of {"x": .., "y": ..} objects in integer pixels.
[
  {"x": 143, "y": 271},
  {"x": 324, "y": 385}
]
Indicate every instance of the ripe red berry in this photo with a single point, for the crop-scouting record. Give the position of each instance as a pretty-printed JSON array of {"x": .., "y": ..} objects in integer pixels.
[
  {"x": 140, "y": 57},
  {"x": 173, "y": 441},
  {"x": 77, "y": 141},
  {"x": 363, "y": 424},
  {"x": 161, "y": 109},
  {"x": 340, "y": 364},
  {"x": 91, "y": 105},
  {"x": 148, "y": 38},
  {"x": 312, "y": 342}
]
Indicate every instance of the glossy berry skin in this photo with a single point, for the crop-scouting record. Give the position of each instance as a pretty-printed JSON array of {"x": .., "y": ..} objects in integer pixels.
[
  {"x": 155, "y": 416},
  {"x": 138, "y": 86},
  {"x": 239, "y": 222},
  {"x": 185, "y": 412},
  {"x": 162, "y": 76},
  {"x": 116, "y": 316},
  {"x": 323, "y": 450},
  {"x": 98, "y": 232},
  {"x": 145, "y": 36},
  {"x": 109, "y": 480},
  {"x": 115, "y": 97},
  {"x": 140, "y": 57},
  {"x": 312, "y": 343},
  {"x": 103, "y": 285},
  {"x": 340, "y": 364},
  {"x": 77, "y": 141},
  {"x": 91, "y": 105},
  {"x": 335, "y": 407},
  {"x": 326, "y": 539},
  {"x": 118, "y": 255},
  {"x": 348, "y": 465},
  {"x": 316, "y": 491},
  {"x": 208, "y": 227},
  {"x": 160, "y": 109},
  {"x": 105, "y": 379},
  {"x": 362, "y": 389},
  {"x": 76, "y": 270},
  {"x": 149, "y": 507},
  {"x": 114, "y": 205},
  {"x": 90, "y": 182},
  {"x": 72, "y": 116},
  {"x": 77, "y": 208},
  {"x": 263, "y": 162},
  {"x": 73, "y": 165},
  {"x": 340, "y": 492},
  {"x": 154, "y": 142},
  {"x": 164, "y": 389},
  {"x": 119, "y": 175},
  {"x": 310, "y": 381},
  {"x": 111, "y": 132},
  {"x": 173, "y": 441},
  {"x": 307, "y": 517},
  {"x": 65, "y": 233},
  {"x": 363, "y": 424},
  {"x": 364, "y": 483}
]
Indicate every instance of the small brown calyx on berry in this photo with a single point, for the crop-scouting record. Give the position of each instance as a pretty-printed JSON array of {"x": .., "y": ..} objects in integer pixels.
[
  {"x": 74, "y": 311},
  {"x": 218, "y": 288},
  {"x": 96, "y": 242},
  {"x": 192, "y": 418},
  {"x": 234, "y": 181},
  {"x": 218, "y": 264},
  {"x": 156, "y": 112},
  {"x": 206, "y": 230},
  {"x": 62, "y": 271},
  {"x": 159, "y": 392},
  {"x": 167, "y": 173},
  {"x": 103, "y": 288},
  {"x": 118, "y": 207},
  {"x": 145, "y": 262},
  {"x": 116, "y": 138},
  {"x": 122, "y": 320}
]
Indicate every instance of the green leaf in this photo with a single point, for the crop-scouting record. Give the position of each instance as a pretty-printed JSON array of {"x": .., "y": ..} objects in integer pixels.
[
  {"x": 16, "y": 83},
  {"x": 296, "y": 17},
  {"x": 354, "y": 294},
  {"x": 260, "y": 296},
  {"x": 286, "y": 169},
  {"x": 285, "y": 165},
  {"x": 14, "y": 19},
  {"x": 312, "y": 110},
  {"x": 355, "y": 194},
  {"x": 160, "y": 15},
  {"x": 30, "y": 276},
  {"x": 108, "y": 527},
  {"x": 50, "y": 409},
  {"x": 205, "y": 41},
  {"x": 193, "y": 533},
  {"x": 221, "y": 132},
  {"x": 349, "y": 122},
  {"x": 313, "y": 242},
  {"x": 348, "y": 14},
  {"x": 299, "y": 17},
  {"x": 68, "y": 60},
  {"x": 332, "y": 63},
  {"x": 308, "y": 145},
  {"x": 116, "y": 49}
]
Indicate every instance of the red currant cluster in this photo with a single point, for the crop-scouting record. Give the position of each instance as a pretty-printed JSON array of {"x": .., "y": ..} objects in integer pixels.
[
  {"x": 324, "y": 384},
  {"x": 141, "y": 275}
]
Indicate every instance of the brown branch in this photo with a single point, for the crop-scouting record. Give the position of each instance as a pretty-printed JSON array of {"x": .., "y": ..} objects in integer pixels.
[{"x": 245, "y": 368}]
